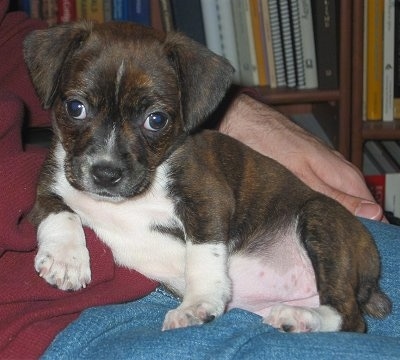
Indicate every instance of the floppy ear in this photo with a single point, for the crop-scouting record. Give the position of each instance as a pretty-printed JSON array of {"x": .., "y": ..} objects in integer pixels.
[
  {"x": 46, "y": 51},
  {"x": 204, "y": 77}
]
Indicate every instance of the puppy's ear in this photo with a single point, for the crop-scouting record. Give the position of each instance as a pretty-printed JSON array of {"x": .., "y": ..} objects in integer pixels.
[
  {"x": 204, "y": 77},
  {"x": 46, "y": 51}
]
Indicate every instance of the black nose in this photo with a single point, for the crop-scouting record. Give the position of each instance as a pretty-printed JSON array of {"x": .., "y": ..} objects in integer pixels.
[{"x": 106, "y": 174}]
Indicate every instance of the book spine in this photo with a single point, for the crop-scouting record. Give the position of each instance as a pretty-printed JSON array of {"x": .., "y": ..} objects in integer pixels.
[
  {"x": 286, "y": 30},
  {"x": 388, "y": 61},
  {"x": 376, "y": 184},
  {"x": 308, "y": 44},
  {"x": 66, "y": 11},
  {"x": 277, "y": 43},
  {"x": 255, "y": 24},
  {"x": 211, "y": 26},
  {"x": 227, "y": 33},
  {"x": 245, "y": 45},
  {"x": 325, "y": 31},
  {"x": 396, "y": 75},
  {"x": 192, "y": 25},
  {"x": 297, "y": 44},
  {"x": 120, "y": 10},
  {"x": 374, "y": 60},
  {"x": 139, "y": 12},
  {"x": 166, "y": 15},
  {"x": 269, "y": 51},
  {"x": 108, "y": 15},
  {"x": 48, "y": 11}
]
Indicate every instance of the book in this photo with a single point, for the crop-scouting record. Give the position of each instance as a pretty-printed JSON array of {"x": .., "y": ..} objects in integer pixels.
[
  {"x": 277, "y": 43},
  {"x": 396, "y": 70},
  {"x": 211, "y": 26},
  {"x": 66, "y": 11},
  {"x": 326, "y": 42},
  {"x": 297, "y": 43},
  {"x": 91, "y": 10},
  {"x": 376, "y": 184},
  {"x": 166, "y": 15},
  {"x": 192, "y": 25},
  {"x": 308, "y": 44},
  {"x": 227, "y": 33},
  {"x": 392, "y": 147},
  {"x": 220, "y": 32},
  {"x": 386, "y": 190},
  {"x": 388, "y": 61},
  {"x": 257, "y": 30},
  {"x": 139, "y": 12},
  {"x": 376, "y": 151},
  {"x": 245, "y": 43},
  {"x": 120, "y": 10},
  {"x": 267, "y": 42},
  {"x": 286, "y": 33},
  {"x": 374, "y": 54}
]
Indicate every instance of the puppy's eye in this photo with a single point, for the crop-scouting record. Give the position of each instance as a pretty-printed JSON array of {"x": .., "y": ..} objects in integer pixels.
[
  {"x": 76, "y": 109},
  {"x": 156, "y": 121}
]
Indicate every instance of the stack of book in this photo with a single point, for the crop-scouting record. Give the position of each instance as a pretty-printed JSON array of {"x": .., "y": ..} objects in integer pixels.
[{"x": 275, "y": 43}]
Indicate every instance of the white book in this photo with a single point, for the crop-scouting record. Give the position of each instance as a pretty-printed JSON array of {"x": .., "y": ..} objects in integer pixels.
[
  {"x": 308, "y": 44},
  {"x": 227, "y": 33},
  {"x": 388, "y": 60},
  {"x": 287, "y": 41},
  {"x": 245, "y": 43},
  {"x": 211, "y": 26},
  {"x": 276, "y": 36},
  {"x": 392, "y": 194}
]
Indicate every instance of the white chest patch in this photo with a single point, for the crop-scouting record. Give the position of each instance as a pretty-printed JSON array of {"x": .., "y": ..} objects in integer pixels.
[{"x": 127, "y": 227}]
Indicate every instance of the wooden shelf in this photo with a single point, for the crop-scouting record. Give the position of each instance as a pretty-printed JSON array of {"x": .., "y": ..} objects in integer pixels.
[
  {"x": 381, "y": 130},
  {"x": 296, "y": 96}
]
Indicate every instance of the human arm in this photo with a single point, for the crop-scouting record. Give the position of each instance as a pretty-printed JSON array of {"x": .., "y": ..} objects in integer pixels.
[{"x": 322, "y": 168}]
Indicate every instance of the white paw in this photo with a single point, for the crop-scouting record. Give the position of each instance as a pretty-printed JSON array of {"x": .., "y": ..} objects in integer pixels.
[
  {"x": 62, "y": 258},
  {"x": 301, "y": 319},
  {"x": 185, "y": 316},
  {"x": 66, "y": 266}
]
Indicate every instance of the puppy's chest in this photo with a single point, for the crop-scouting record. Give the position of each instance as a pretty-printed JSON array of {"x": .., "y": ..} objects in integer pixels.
[{"x": 131, "y": 229}]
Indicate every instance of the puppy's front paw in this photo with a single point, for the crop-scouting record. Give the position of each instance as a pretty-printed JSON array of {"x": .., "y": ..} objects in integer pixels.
[
  {"x": 62, "y": 258},
  {"x": 301, "y": 319},
  {"x": 185, "y": 316},
  {"x": 66, "y": 266}
]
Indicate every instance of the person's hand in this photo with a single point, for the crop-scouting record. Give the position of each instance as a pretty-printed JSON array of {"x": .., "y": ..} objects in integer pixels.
[{"x": 320, "y": 167}]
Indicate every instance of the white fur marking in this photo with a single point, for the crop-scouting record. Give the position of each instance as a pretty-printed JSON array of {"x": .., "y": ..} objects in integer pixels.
[
  {"x": 63, "y": 258},
  {"x": 302, "y": 319},
  {"x": 120, "y": 73},
  {"x": 208, "y": 287}
]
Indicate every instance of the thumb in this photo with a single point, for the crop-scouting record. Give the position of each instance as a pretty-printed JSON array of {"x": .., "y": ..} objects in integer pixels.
[{"x": 360, "y": 207}]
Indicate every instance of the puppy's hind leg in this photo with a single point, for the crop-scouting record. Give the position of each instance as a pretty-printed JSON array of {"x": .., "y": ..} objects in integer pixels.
[{"x": 343, "y": 254}]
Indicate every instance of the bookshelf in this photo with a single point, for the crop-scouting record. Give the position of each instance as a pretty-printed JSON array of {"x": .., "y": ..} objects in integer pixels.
[
  {"x": 331, "y": 107},
  {"x": 361, "y": 131}
]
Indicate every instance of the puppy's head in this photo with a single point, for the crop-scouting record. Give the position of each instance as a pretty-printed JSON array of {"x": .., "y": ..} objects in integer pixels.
[{"x": 123, "y": 96}]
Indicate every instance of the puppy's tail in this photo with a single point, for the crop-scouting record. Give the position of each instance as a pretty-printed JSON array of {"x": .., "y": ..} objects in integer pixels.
[{"x": 378, "y": 304}]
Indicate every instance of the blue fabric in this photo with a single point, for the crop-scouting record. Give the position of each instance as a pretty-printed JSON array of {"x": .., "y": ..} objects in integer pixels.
[{"x": 132, "y": 330}]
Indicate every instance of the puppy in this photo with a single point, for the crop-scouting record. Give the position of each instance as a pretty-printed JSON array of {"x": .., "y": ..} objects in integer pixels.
[{"x": 217, "y": 223}]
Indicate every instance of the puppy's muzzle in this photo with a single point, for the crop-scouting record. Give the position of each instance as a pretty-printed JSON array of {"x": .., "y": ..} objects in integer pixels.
[{"x": 105, "y": 174}]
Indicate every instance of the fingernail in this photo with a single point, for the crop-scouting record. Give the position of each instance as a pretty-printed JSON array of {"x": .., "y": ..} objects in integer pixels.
[{"x": 369, "y": 210}]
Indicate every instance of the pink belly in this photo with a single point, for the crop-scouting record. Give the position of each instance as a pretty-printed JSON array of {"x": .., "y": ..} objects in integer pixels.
[{"x": 284, "y": 274}]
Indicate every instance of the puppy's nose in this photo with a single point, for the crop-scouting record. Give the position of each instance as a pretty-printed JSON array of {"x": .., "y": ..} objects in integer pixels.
[{"x": 106, "y": 174}]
